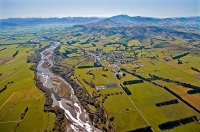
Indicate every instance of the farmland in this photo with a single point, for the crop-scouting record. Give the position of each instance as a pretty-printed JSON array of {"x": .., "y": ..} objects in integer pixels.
[
  {"x": 126, "y": 77},
  {"x": 21, "y": 92},
  {"x": 140, "y": 58},
  {"x": 144, "y": 96}
]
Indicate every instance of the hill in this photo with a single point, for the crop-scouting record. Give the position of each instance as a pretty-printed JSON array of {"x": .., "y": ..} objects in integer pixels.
[
  {"x": 150, "y": 21},
  {"x": 113, "y": 21},
  {"x": 38, "y": 21}
]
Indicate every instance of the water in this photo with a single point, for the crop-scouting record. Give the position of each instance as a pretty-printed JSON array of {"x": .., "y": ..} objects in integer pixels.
[{"x": 74, "y": 112}]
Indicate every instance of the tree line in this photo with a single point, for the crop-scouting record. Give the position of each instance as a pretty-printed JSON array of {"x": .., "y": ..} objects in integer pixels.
[
  {"x": 128, "y": 92},
  {"x": 60, "y": 121},
  {"x": 98, "y": 117},
  {"x": 24, "y": 113},
  {"x": 132, "y": 82},
  {"x": 179, "y": 97},
  {"x": 195, "y": 89},
  {"x": 174, "y": 101},
  {"x": 15, "y": 53},
  {"x": 171, "y": 124},
  {"x": 179, "y": 56},
  {"x": 91, "y": 84},
  {"x": 22, "y": 117},
  {"x": 138, "y": 76},
  {"x": 82, "y": 67},
  {"x": 2, "y": 49},
  {"x": 4, "y": 88},
  {"x": 195, "y": 69},
  {"x": 36, "y": 57},
  {"x": 164, "y": 87}
]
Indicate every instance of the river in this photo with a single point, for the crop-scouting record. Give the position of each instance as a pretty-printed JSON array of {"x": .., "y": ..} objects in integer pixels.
[{"x": 74, "y": 112}]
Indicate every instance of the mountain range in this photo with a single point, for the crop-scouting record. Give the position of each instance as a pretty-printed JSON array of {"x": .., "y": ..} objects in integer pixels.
[
  {"x": 150, "y": 21},
  {"x": 40, "y": 21},
  {"x": 112, "y": 21}
]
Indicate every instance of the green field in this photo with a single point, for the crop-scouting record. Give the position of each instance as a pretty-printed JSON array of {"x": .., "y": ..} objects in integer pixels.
[
  {"x": 144, "y": 96},
  {"x": 138, "y": 109},
  {"x": 119, "y": 106},
  {"x": 21, "y": 93},
  {"x": 127, "y": 53}
]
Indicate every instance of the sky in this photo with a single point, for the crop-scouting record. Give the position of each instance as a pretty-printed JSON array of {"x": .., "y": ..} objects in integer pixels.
[{"x": 99, "y": 8}]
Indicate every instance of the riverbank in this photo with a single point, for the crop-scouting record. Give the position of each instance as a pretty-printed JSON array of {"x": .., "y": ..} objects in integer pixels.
[{"x": 73, "y": 111}]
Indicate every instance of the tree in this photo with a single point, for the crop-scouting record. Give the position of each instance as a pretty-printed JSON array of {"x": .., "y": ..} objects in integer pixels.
[{"x": 111, "y": 118}]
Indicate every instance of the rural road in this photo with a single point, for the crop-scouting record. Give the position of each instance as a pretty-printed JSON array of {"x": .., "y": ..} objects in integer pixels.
[{"x": 138, "y": 111}]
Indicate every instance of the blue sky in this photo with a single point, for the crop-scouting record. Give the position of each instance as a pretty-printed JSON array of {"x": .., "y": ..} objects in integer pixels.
[{"x": 101, "y": 8}]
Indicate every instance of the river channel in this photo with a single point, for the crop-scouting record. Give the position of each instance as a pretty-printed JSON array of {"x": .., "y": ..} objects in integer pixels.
[{"x": 74, "y": 112}]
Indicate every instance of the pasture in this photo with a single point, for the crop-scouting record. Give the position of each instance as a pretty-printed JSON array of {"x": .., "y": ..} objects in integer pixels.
[
  {"x": 117, "y": 104},
  {"x": 146, "y": 95},
  {"x": 21, "y": 91},
  {"x": 137, "y": 110},
  {"x": 95, "y": 75}
]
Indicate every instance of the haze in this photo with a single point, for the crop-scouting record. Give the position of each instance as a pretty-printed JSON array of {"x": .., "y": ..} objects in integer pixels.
[{"x": 100, "y": 8}]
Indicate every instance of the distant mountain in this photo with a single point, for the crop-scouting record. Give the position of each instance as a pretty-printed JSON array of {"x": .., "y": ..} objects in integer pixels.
[
  {"x": 121, "y": 18},
  {"x": 8, "y": 24},
  {"x": 141, "y": 27},
  {"x": 115, "y": 21},
  {"x": 134, "y": 32},
  {"x": 38, "y": 21},
  {"x": 125, "y": 20}
]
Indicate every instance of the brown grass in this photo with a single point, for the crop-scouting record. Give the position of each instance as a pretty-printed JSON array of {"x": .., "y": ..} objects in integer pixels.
[
  {"x": 4, "y": 59},
  {"x": 193, "y": 99},
  {"x": 197, "y": 75}
]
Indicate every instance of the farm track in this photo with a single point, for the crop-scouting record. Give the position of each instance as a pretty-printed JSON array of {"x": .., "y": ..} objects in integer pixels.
[
  {"x": 138, "y": 111},
  {"x": 11, "y": 76},
  {"x": 9, "y": 121},
  {"x": 7, "y": 100}
]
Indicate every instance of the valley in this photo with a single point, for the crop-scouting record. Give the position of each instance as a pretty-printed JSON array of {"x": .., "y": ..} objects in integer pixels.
[{"x": 115, "y": 74}]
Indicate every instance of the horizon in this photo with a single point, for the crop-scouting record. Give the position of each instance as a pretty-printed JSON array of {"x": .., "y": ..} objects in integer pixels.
[
  {"x": 96, "y": 17},
  {"x": 98, "y": 8}
]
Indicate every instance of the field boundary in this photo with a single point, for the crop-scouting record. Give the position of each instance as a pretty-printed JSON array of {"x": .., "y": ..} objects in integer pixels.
[
  {"x": 182, "y": 101},
  {"x": 7, "y": 100},
  {"x": 10, "y": 76},
  {"x": 9, "y": 122},
  {"x": 138, "y": 111}
]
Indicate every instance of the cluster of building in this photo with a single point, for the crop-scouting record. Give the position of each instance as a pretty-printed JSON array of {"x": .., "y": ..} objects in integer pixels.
[{"x": 111, "y": 57}]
